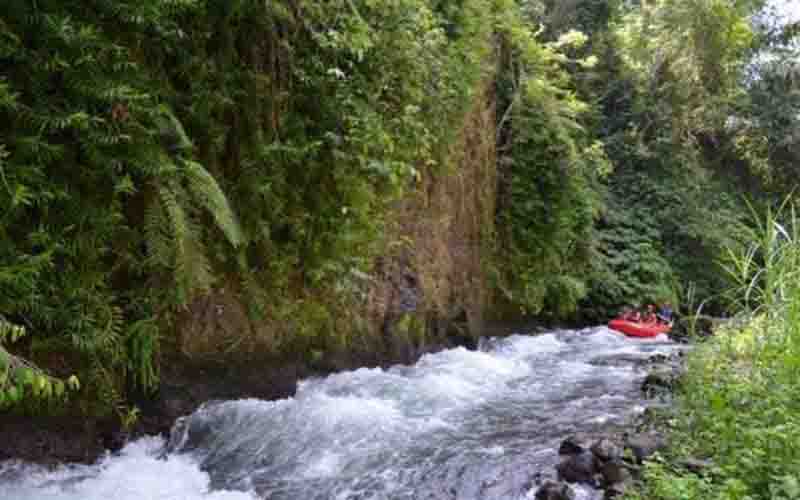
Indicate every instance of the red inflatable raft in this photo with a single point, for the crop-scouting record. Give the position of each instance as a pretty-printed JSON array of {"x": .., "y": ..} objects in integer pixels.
[{"x": 637, "y": 328}]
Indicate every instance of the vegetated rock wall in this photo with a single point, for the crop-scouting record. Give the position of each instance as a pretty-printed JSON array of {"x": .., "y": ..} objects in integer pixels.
[
  {"x": 430, "y": 290},
  {"x": 426, "y": 291}
]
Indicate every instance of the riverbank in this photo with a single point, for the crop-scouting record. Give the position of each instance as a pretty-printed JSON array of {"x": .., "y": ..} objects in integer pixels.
[
  {"x": 613, "y": 461},
  {"x": 733, "y": 432}
]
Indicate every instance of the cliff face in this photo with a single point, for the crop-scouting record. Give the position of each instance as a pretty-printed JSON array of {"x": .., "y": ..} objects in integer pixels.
[
  {"x": 427, "y": 288},
  {"x": 431, "y": 289}
]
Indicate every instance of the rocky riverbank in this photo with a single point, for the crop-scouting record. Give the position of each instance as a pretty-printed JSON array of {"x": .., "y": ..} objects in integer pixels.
[{"x": 612, "y": 462}]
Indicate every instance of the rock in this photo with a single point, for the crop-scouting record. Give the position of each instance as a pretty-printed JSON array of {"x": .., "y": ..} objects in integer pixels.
[
  {"x": 115, "y": 440},
  {"x": 616, "y": 490},
  {"x": 606, "y": 450},
  {"x": 578, "y": 468},
  {"x": 643, "y": 446},
  {"x": 571, "y": 446},
  {"x": 615, "y": 471},
  {"x": 552, "y": 490},
  {"x": 661, "y": 378},
  {"x": 658, "y": 358},
  {"x": 697, "y": 466}
]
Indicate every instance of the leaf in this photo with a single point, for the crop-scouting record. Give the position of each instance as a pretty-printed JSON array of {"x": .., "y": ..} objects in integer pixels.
[
  {"x": 41, "y": 383},
  {"x": 24, "y": 376},
  {"x": 791, "y": 486}
]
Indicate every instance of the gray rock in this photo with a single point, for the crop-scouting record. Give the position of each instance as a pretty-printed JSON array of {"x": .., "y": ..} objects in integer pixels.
[
  {"x": 697, "y": 466},
  {"x": 644, "y": 446},
  {"x": 606, "y": 450},
  {"x": 616, "y": 490},
  {"x": 615, "y": 471},
  {"x": 662, "y": 378},
  {"x": 658, "y": 358},
  {"x": 552, "y": 490},
  {"x": 571, "y": 446},
  {"x": 578, "y": 468}
]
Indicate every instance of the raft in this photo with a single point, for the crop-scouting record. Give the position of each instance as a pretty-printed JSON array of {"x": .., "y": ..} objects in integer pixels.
[{"x": 638, "y": 329}]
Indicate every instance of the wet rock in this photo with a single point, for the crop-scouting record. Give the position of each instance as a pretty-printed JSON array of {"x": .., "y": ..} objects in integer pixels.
[
  {"x": 658, "y": 358},
  {"x": 552, "y": 490},
  {"x": 662, "y": 378},
  {"x": 615, "y": 471},
  {"x": 643, "y": 446},
  {"x": 578, "y": 468},
  {"x": 571, "y": 446},
  {"x": 606, "y": 450},
  {"x": 697, "y": 466},
  {"x": 115, "y": 440},
  {"x": 616, "y": 490},
  {"x": 619, "y": 360}
]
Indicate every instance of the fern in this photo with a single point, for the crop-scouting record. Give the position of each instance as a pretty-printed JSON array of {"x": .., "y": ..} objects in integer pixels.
[
  {"x": 192, "y": 271},
  {"x": 207, "y": 194}
]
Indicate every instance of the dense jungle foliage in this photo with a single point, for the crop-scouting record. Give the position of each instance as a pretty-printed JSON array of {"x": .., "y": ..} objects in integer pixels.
[
  {"x": 154, "y": 150},
  {"x": 737, "y": 409}
]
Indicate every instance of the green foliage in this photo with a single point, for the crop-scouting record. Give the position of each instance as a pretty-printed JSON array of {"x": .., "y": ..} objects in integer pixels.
[
  {"x": 552, "y": 172},
  {"x": 151, "y": 150},
  {"x": 21, "y": 382},
  {"x": 630, "y": 266},
  {"x": 739, "y": 400},
  {"x": 765, "y": 127},
  {"x": 665, "y": 87}
]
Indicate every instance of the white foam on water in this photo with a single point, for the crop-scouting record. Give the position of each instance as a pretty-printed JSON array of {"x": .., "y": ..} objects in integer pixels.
[
  {"x": 494, "y": 450},
  {"x": 135, "y": 474},
  {"x": 370, "y": 433},
  {"x": 523, "y": 346}
]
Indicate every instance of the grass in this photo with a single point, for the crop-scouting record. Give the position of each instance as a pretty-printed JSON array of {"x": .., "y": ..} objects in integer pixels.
[{"x": 739, "y": 405}]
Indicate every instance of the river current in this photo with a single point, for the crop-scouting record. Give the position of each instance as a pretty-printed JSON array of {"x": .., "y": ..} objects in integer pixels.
[{"x": 458, "y": 425}]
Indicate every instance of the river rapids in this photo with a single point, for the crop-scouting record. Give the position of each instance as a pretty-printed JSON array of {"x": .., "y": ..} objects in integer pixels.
[{"x": 458, "y": 425}]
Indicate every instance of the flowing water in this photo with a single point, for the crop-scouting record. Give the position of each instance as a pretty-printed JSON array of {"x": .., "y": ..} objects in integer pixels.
[{"x": 457, "y": 425}]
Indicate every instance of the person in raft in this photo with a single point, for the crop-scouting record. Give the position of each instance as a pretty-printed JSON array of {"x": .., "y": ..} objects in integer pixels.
[
  {"x": 631, "y": 314},
  {"x": 649, "y": 315},
  {"x": 665, "y": 313}
]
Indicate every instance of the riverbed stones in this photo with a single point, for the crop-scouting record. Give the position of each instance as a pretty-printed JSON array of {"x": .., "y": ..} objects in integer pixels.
[
  {"x": 578, "y": 468},
  {"x": 552, "y": 490},
  {"x": 643, "y": 446},
  {"x": 606, "y": 450},
  {"x": 662, "y": 378},
  {"x": 615, "y": 490},
  {"x": 614, "y": 471},
  {"x": 572, "y": 446}
]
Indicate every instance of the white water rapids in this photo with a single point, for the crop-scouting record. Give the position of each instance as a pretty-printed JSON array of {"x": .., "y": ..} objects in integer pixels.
[{"x": 457, "y": 425}]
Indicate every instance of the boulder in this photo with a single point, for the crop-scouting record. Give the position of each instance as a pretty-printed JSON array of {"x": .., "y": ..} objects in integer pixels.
[
  {"x": 552, "y": 490},
  {"x": 615, "y": 471},
  {"x": 606, "y": 450},
  {"x": 578, "y": 468},
  {"x": 658, "y": 358},
  {"x": 643, "y": 446},
  {"x": 663, "y": 378},
  {"x": 616, "y": 490},
  {"x": 571, "y": 446}
]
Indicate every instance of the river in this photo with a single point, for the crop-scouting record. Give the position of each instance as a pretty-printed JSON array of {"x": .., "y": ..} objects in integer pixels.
[{"x": 458, "y": 424}]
